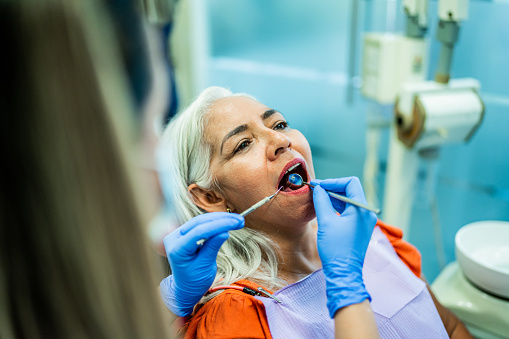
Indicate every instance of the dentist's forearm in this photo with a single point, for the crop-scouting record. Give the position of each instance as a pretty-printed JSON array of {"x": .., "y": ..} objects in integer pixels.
[{"x": 356, "y": 321}]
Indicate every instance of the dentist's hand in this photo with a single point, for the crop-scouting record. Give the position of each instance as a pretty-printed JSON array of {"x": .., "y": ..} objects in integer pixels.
[
  {"x": 194, "y": 268},
  {"x": 342, "y": 240}
]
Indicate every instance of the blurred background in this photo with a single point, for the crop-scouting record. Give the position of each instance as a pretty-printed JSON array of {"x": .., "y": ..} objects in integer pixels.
[{"x": 304, "y": 59}]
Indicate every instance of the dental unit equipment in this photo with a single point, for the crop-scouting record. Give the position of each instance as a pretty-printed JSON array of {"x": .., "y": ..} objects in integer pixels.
[
  {"x": 427, "y": 114},
  {"x": 249, "y": 210},
  {"x": 295, "y": 181}
]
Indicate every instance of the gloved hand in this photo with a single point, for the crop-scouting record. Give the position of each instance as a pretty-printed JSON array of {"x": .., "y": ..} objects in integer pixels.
[
  {"x": 194, "y": 268},
  {"x": 342, "y": 240}
]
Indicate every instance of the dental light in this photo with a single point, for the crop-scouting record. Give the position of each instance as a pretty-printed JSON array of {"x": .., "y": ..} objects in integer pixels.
[{"x": 430, "y": 114}]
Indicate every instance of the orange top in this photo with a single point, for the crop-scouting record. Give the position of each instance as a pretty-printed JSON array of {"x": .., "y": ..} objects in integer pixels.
[
  {"x": 235, "y": 314},
  {"x": 407, "y": 252}
]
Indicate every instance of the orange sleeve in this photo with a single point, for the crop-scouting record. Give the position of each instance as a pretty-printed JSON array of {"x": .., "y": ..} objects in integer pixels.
[
  {"x": 407, "y": 252},
  {"x": 231, "y": 314}
]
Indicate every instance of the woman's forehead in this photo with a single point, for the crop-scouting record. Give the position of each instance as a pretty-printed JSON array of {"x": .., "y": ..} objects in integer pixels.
[
  {"x": 230, "y": 112},
  {"x": 236, "y": 106}
]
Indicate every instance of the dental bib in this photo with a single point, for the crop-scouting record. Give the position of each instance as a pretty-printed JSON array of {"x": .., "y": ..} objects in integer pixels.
[{"x": 401, "y": 303}]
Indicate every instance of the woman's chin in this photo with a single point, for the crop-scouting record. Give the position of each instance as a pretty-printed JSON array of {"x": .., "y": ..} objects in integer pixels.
[
  {"x": 289, "y": 209},
  {"x": 295, "y": 212},
  {"x": 298, "y": 202}
]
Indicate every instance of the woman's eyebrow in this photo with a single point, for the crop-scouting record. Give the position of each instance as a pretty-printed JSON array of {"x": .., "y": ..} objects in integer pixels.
[
  {"x": 269, "y": 113},
  {"x": 236, "y": 130}
]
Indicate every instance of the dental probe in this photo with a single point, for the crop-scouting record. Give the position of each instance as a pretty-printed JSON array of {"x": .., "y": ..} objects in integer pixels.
[
  {"x": 260, "y": 203},
  {"x": 296, "y": 180},
  {"x": 249, "y": 210}
]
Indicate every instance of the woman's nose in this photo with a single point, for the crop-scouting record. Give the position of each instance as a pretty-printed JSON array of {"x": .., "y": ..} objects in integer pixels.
[{"x": 278, "y": 144}]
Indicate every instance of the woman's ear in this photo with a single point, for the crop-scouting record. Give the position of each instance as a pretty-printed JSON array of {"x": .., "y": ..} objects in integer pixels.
[{"x": 207, "y": 200}]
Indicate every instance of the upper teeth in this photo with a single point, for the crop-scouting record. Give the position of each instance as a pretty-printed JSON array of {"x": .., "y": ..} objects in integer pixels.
[{"x": 292, "y": 168}]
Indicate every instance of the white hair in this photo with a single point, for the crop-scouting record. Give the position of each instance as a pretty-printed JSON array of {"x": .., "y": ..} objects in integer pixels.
[{"x": 247, "y": 254}]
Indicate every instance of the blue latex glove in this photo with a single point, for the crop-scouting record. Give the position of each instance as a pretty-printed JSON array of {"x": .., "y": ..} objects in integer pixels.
[
  {"x": 342, "y": 240},
  {"x": 194, "y": 268}
]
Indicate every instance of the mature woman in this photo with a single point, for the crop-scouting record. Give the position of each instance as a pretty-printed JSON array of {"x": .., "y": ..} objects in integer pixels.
[{"x": 228, "y": 151}]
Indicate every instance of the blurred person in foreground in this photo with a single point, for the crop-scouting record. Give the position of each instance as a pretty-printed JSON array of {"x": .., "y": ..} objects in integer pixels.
[{"x": 74, "y": 259}]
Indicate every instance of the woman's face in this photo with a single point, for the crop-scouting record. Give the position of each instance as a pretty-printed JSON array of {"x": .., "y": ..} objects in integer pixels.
[{"x": 252, "y": 150}]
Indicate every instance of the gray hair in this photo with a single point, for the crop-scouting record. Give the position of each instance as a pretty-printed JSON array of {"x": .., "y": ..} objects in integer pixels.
[{"x": 247, "y": 254}]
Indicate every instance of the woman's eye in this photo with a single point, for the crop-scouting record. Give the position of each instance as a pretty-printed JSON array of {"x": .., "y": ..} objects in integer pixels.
[
  {"x": 281, "y": 125},
  {"x": 242, "y": 146}
]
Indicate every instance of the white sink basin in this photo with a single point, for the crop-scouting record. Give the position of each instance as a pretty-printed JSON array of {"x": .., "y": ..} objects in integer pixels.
[{"x": 482, "y": 251}]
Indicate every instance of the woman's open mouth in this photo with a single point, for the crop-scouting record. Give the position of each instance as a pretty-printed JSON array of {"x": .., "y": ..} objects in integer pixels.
[{"x": 297, "y": 166}]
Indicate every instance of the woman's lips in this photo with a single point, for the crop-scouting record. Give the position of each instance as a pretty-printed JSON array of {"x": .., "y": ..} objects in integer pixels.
[
  {"x": 303, "y": 190},
  {"x": 301, "y": 169}
]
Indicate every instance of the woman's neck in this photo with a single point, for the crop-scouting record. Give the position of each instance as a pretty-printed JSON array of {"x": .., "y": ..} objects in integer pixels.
[{"x": 298, "y": 257}]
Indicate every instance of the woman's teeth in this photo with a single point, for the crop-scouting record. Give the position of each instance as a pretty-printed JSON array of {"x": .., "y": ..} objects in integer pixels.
[{"x": 292, "y": 168}]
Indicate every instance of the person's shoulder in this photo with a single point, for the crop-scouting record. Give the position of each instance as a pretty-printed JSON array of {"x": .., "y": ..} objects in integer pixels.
[
  {"x": 229, "y": 303},
  {"x": 392, "y": 232},
  {"x": 231, "y": 314},
  {"x": 407, "y": 252}
]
